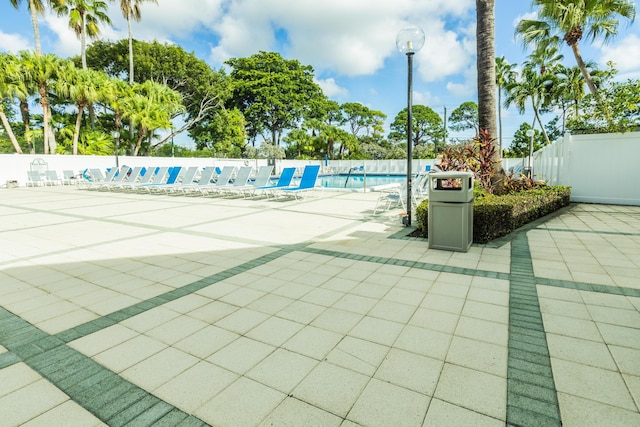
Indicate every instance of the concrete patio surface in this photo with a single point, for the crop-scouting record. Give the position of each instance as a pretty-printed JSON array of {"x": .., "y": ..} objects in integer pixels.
[{"x": 143, "y": 309}]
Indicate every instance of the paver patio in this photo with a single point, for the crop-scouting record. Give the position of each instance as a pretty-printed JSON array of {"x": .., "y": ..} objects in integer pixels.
[{"x": 138, "y": 309}]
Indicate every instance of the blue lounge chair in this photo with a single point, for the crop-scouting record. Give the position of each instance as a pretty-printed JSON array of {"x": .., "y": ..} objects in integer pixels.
[
  {"x": 286, "y": 176},
  {"x": 307, "y": 182}
]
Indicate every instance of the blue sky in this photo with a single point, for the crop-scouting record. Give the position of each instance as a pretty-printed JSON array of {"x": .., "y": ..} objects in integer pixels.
[{"x": 349, "y": 43}]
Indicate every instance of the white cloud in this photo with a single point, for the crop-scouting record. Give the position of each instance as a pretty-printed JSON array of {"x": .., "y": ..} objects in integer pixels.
[
  {"x": 533, "y": 16},
  {"x": 444, "y": 54},
  {"x": 332, "y": 89},
  {"x": 67, "y": 43},
  {"x": 466, "y": 88},
  {"x": 349, "y": 38},
  {"x": 14, "y": 43},
  {"x": 625, "y": 54},
  {"x": 426, "y": 98}
]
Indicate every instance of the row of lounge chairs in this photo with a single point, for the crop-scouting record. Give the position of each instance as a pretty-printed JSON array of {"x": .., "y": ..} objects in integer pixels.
[
  {"x": 211, "y": 181},
  {"x": 37, "y": 178}
]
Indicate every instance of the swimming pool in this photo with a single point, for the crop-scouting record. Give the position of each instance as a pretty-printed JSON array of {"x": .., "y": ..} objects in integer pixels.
[{"x": 357, "y": 181}]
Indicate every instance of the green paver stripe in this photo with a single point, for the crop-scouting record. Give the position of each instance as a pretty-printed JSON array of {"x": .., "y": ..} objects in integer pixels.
[
  {"x": 573, "y": 230},
  {"x": 591, "y": 287},
  {"x": 412, "y": 264},
  {"x": 67, "y": 368},
  {"x": 531, "y": 397}
]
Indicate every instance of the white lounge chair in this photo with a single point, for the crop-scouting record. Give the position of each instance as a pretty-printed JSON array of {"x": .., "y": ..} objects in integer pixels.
[
  {"x": 261, "y": 179},
  {"x": 144, "y": 177},
  {"x": 159, "y": 176},
  {"x": 35, "y": 179},
  {"x": 222, "y": 179},
  {"x": 185, "y": 180},
  {"x": 205, "y": 179},
  {"x": 241, "y": 179},
  {"x": 52, "y": 178}
]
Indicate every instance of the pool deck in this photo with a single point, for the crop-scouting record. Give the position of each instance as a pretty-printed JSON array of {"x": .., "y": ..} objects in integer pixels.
[{"x": 137, "y": 309}]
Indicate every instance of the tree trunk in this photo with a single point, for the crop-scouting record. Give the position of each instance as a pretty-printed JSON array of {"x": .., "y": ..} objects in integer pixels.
[
  {"x": 130, "y": 65},
  {"x": 500, "y": 119},
  {"x": 537, "y": 118},
  {"x": 485, "y": 35},
  {"x": 76, "y": 132},
  {"x": 486, "y": 64},
  {"x": 12, "y": 137},
  {"x": 34, "y": 22},
  {"x": 141, "y": 134},
  {"x": 583, "y": 69},
  {"x": 26, "y": 119},
  {"x": 44, "y": 101}
]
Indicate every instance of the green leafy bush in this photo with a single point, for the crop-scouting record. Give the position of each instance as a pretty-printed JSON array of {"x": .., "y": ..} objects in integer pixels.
[{"x": 496, "y": 216}]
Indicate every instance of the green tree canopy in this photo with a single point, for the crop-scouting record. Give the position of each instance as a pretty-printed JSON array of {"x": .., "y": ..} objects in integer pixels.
[
  {"x": 571, "y": 21},
  {"x": 273, "y": 93},
  {"x": 427, "y": 126},
  {"x": 465, "y": 117},
  {"x": 204, "y": 91}
]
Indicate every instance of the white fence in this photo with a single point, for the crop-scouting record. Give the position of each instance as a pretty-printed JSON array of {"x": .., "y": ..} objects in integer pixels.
[
  {"x": 14, "y": 167},
  {"x": 600, "y": 168}
]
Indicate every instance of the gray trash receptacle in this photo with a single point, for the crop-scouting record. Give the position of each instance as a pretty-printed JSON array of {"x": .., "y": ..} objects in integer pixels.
[{"x": 450, "y": 215}]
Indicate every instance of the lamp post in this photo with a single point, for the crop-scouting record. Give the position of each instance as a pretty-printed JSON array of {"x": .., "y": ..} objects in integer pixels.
[
  {"x": 530, "y": 133},
  {"x": 409, "y": 41},
  {"x": 116, "y": 136}
]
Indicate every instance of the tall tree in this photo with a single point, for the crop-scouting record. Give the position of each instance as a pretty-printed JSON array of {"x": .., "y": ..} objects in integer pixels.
[
  {"x": 150, "y": 108},
  {"x": 571, "y": 20},
  {"x": 131, "y": 11},
  {"x": 465, "y": 117},
  {"x": 568, "y": 91},
  {"x": 40, "y": 71},
  {"x": 273, "y": 93},
  {"x": 36, "y": 7},
  {"x": 505, "y": 74},
  {"x": 11, "y": 86},
  {"x": 485, "y": 37},
  {"x": 427, "y": 127},
  {"x": 534, "y": 87},
  {"x": 486, "y": 67},
  {"x": 79, "y": 86},
  {"x": 84, "y": 19}
]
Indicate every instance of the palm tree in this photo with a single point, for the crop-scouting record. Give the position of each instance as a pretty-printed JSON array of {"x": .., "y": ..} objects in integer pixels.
[
  {"x": 84, "y": 18},
  {"x": 10, "y": 86},
  {"x": 151, "y": 107},
  {"x": 505, "y": 74},
  {"x": 531, "y": 86},
  {"x": 79, "y": 86},
  {"x": 39, "y": 71},
  {"x": 131, "y": 10},
  {"x": 571, "y": 20},
  {"x": 36, "y": 7},
  {"x": 569, "y": 89},
  {"x": 486, "y": 65}
]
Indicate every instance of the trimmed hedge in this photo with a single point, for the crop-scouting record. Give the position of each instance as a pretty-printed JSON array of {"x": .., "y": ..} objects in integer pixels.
[{"x": 497, "y": 216}]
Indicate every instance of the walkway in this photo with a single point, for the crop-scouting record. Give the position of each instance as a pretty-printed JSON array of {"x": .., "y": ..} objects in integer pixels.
[{"x": 125, "y": 309}]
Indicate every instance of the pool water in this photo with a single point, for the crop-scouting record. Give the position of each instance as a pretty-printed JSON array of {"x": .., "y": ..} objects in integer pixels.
[{"x": 357, "y": 181}]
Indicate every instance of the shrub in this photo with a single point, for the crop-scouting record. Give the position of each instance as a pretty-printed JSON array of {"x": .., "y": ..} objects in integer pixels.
[{"x": 496, "y": 216}]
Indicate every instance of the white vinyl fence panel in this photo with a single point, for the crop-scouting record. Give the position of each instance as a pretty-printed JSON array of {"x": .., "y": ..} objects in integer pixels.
[{"x": 601, "y": 168}]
